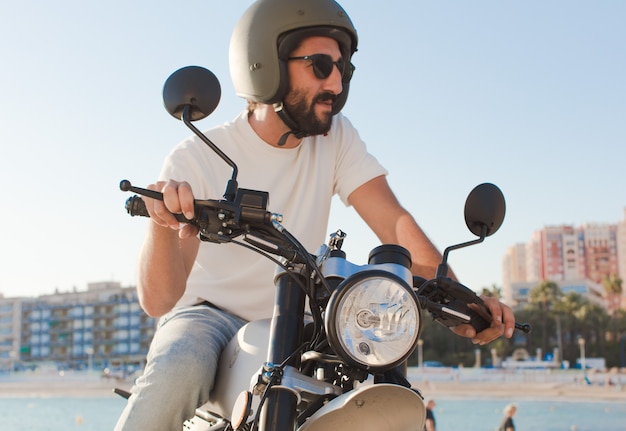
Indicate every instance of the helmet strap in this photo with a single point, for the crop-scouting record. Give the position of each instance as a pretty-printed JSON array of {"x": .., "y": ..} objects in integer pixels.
[{"x": 294, "y": 129}]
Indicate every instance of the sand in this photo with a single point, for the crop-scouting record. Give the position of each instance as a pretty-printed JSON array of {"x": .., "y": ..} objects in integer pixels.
[
  {"x": 59, "y": 388},
  {"x": 517, "y": 391},
  {"x": 434, "y": 389}
]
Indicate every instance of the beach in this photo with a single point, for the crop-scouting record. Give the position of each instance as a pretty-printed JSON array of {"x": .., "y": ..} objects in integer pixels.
[
  {"x": 519, "y": 384},
  {"x": 46, "y": 386},
  {"x": 445, "y": 382},
  {"x": 523, "y": 390},
  {"x": 470, "y": 399}
]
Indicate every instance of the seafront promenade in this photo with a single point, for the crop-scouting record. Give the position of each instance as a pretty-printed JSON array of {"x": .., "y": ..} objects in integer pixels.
[
  {"x": 63, "y": 384},
  {"x": 519, "y": 384},
  {"x": 432, "y": 382}
]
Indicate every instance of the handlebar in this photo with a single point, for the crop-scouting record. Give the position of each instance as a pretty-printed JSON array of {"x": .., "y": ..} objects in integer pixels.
[
  {"x": 222, "y": 221},
  {"x": 136, "y": 207},
  {"x": 451, "y": 303},
  {"x": 248, "y": 208}
]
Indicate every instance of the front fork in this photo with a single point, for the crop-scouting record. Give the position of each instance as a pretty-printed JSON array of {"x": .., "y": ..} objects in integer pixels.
[{"x": 279, "y": 412}]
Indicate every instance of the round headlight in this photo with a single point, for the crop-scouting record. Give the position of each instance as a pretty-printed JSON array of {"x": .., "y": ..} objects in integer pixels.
[{"x": 373, "y": 320}]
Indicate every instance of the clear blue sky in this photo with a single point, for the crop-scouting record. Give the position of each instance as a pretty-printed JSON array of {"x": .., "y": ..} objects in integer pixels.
[{"x": 529, "y": 95}]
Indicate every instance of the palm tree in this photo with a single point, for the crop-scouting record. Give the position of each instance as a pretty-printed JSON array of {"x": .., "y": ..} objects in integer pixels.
[
  {"x": 613, "y": 291},
  {"x": 493, "y": 291},
  {"x": 594, "y": 326},
  {"x": 572, "y": 327},
  {"x": 617, "y": 329},
  {"x": 544, "y": 296}
]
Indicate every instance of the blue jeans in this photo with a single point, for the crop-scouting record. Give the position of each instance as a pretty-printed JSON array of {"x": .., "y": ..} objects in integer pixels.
[{"x": 180, "y": 369}]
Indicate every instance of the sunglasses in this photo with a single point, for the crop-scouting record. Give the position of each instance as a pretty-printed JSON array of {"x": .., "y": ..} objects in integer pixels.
[{"x": 323, "y": 66}]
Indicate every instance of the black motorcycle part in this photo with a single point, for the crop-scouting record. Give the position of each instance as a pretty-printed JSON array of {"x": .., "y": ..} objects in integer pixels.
[{"x": 390, "y": 253}]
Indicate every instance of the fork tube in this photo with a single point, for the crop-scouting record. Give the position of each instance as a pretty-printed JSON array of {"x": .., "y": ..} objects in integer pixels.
[{"x": 279, "y": 411}]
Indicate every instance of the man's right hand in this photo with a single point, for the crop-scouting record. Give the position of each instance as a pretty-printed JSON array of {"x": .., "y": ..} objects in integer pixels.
[{"x": 177, "y": 199}]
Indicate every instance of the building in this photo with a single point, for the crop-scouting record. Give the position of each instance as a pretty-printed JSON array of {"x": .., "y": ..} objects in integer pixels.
[
  {"x": 599, "y": 244},
  {"x": 10, "y": 323},
  {"x": 103, "y": 326},
  {"x": 518, "y": 292},
  {"x": 621, "y": 252},
  {"x": 577, "y": 259},
  {"x": 514, "y": 268}
]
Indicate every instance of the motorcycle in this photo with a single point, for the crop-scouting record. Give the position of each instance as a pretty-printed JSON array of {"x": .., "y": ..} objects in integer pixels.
[{"x": 333, "y": 356}]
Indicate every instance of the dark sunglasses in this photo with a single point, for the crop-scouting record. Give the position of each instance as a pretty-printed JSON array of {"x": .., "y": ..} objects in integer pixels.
[{"x": 323, "y": 66}]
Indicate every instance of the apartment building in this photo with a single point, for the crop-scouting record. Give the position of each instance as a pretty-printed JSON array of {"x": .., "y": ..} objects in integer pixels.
[
  {"x": 576, "y": 258},
  {"x": 621, "y": 247},
  {"x": 10, "y": 323},
  {"x": 103, "y": 326}
]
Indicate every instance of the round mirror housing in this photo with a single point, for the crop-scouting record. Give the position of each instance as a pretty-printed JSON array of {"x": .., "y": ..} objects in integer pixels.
[
  {"x": 485, "y": 206},
  {"x": 195, "y": 87}
]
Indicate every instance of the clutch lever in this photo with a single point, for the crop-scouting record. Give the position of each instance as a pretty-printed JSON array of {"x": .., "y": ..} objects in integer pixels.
[
  {"x": 217, "y": 221},
  {"x": 222, "y": 221}
]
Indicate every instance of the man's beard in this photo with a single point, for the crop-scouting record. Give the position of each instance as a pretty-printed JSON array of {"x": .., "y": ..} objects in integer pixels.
[{"x": 303, "y": 113}]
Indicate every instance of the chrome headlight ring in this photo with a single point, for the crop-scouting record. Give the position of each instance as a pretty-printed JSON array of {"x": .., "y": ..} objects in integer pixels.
[{"x": 373, "y": 320}]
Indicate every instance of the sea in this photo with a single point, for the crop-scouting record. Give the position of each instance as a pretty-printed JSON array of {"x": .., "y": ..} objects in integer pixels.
[{"x": 451, "y": 414}]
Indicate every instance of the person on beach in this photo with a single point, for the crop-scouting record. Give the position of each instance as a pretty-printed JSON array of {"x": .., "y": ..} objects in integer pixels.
[
  {"x": 430, "y": 425},
  {"x": 507, "y": 421},
  {"x": 291, "y": 61}
]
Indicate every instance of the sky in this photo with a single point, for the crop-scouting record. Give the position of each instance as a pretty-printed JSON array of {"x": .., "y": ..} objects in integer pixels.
[{"x": 528, "y": 95}]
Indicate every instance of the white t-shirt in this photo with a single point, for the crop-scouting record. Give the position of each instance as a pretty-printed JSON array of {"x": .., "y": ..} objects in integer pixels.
[{"x": 301, "y": 182}]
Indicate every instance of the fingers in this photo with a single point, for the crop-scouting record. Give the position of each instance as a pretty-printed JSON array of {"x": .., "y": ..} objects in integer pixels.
[
  {"x": 509, "y": 321},
  {"x": 484, "y": 337},
  {"x": 177, "y": 199},
  {"x": 502, "y": 315},
  {"x": 503, "y": 323},
  {"x": 464, "y": 330},
  {"x": 494, "y": 307},
  {"x": 488, "y": 335},
  {"x": 186, "y": 200}
]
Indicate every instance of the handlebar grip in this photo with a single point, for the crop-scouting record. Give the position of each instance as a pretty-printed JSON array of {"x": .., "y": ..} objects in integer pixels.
[
  {"x": 135, "y": 206},
  {"x": 478, "y": 321}
]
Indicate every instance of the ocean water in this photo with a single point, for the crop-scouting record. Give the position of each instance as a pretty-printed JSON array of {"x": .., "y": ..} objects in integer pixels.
[
  {"x": 485, "y": 414},
  {"x": 60, "y": 413},
  {"x": 451, "y": 414}
]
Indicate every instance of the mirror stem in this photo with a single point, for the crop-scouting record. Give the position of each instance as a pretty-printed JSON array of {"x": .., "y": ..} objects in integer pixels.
[
  {"x": 442, "y": 269},
  {"x": 231, "y": 187}
]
